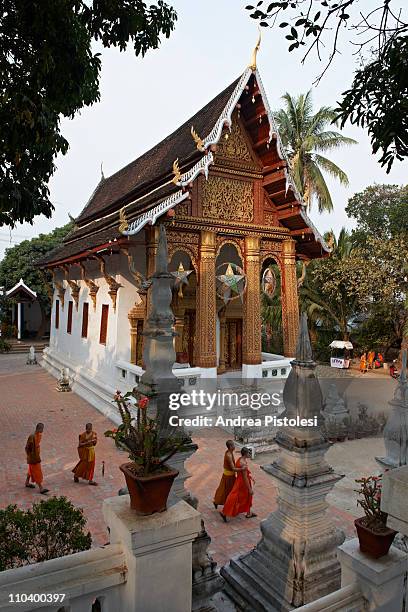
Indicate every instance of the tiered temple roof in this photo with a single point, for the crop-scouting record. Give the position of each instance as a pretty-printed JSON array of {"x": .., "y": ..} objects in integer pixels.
[{"x": 151, "y": 185}]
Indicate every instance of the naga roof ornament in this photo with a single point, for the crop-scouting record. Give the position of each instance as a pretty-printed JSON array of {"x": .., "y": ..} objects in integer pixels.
[
  {"x": 199, "y": 142},
  {"x": 252, "y": 64}
]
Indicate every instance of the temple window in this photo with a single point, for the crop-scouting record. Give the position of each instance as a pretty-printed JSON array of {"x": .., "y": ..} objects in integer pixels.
[
  {"x": 69, "y": 319},
  {"x": 85, "y": 313},
  {"x": 57, "y": 312},
  {"x": 104, "y": 324}
]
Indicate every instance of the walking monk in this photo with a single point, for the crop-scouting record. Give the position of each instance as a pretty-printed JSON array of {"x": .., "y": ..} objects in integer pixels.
[
  {"x": 85, "y": 467},
  {"x": 228, "y": 477},
  {"x": 240, "y": 498},
  {"x": 32, "y": 449}
]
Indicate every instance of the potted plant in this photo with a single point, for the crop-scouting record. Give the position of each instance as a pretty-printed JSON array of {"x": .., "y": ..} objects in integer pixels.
[
  {"x": 148, "y": 478},
  {"x": 373, "y": 534}
]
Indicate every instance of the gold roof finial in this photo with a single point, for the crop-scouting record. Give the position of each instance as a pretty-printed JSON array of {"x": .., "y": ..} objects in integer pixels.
[
  {"x": 124, "y": 225},
  {"x": 176, "y": 172},
  {"x": 199, "y": 142},
  {"x": 252, "y": 65}
]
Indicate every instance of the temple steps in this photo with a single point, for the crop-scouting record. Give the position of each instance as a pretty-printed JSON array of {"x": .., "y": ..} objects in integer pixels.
[
  {"x": 24, "y": 346},
  {"x": 243, "y": 586}
]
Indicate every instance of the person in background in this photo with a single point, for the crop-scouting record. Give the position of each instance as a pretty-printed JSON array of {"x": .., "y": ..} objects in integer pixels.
[
  {"x": 370, "y": 360},
  {"x": 363, "y": 363},
  {"x": 228, "y": 476},
  {"x": 85, "y": 468},
  {"x": 240, "y": 498},
  {"x": 32, "y": 449},
  {"x": 393, "y": 370}
]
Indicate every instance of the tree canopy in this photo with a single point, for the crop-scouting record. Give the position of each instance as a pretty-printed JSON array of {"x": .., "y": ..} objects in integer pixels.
[
  {"x": 380, "y": 211},
  {"x": 378, "y": 97},
  {"x": 305, "y": 135},
  {"x": 50, "y": 69},
  {"x": 362, "y": 288}
]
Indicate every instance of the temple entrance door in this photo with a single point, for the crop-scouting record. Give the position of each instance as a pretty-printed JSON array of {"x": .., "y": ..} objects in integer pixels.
[{"x": 233, "y": 344}]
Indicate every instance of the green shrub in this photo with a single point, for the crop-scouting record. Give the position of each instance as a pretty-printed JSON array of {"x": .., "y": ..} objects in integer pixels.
[
  {"x": 51, "y": 528},
  {"x": 4, "y": 346}
]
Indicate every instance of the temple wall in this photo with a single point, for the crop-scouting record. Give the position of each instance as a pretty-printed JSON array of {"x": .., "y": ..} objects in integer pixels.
[{"x": 87, "y": 357}]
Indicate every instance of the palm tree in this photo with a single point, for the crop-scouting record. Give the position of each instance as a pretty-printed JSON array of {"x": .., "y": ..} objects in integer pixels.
[{"x": 305, "y": 136}]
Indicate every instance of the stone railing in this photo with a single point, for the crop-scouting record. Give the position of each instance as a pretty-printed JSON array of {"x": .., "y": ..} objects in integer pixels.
[
  {"x": 145, "y": 568},
  {"x": 347, "y": 599},
  {"x": 275, "y": 366},
  {"x": 130, "y": 374},
  {"x": 74, "y": 583}
]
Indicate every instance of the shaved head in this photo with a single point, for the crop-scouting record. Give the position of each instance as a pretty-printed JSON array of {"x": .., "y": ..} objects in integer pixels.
[
  {"x": 88, "y": 427},
  {"x": 230, "y": 444},
  {"x": 39, "y": 427}
]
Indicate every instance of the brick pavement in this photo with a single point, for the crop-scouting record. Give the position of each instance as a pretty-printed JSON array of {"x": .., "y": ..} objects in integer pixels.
[{"x": 28, "y": 395}]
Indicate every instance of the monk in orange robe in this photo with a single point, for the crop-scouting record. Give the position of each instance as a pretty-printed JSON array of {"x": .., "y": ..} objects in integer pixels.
[
  {"x": 32, "y": 449},
  {"x": 240, "y": 498},
  {"x": 85, "y": 467},
  {"x": 228, "y": 477}
]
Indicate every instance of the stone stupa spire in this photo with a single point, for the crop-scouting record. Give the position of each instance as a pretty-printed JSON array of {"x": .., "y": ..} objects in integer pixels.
[
  {"x": 396, "y": 428},
  {"x": 295, "y": 561}
]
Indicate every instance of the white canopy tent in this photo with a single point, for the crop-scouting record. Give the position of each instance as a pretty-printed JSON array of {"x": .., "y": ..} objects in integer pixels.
[{"x": 341, "y": 344}]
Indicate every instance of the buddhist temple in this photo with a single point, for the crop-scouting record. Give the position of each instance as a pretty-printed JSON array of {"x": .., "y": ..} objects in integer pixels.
[{"x": 235, "y": 222}]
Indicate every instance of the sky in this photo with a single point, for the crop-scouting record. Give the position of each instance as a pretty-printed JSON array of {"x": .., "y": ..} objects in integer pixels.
[{"x": 145, "y": 99}]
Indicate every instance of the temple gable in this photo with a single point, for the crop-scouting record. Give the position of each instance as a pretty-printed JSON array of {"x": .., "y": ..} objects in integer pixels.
[{"x": 235, "y": 146}]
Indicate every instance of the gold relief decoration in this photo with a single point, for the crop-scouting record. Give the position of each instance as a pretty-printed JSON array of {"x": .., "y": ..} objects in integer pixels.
[
  {"x": 233, "y": 144},
  {"x": 290, "y": 302},
  {"x": 270, "y": 218},
  {"x": 114, "y": 286},
  {"x": 252, "y": 304},
  {"x": 182, "y": 237},
  {"x": 240, "y": 228},
  {"x": 206, "y": 303},
  {"x": 228, "y": 199},
  {"x": 271, "y": 245},
  {"x": 92, "y": 287},
  {"x": 183, "y": 208}
]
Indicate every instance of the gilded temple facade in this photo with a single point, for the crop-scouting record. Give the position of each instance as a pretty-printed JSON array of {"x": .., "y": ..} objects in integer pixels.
[{"x": 235, "y": 226}]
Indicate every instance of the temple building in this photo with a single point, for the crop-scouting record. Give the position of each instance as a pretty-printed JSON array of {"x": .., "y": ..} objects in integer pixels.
[{"x": 236, "y": 226}]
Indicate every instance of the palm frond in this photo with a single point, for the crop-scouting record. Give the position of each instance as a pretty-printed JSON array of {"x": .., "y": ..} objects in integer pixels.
[{"x": 331, "y": 168}]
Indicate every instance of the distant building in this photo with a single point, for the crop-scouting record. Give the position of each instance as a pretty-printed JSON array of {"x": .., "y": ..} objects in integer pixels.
[
  {"x": 25, "y": 316},
  {"x": 222, "y": 186}
]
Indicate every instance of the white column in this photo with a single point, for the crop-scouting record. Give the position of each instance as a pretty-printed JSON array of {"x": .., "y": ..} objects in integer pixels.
[
  {"x": 19, "y": 322},
  {"x": 381, "y": 581},
  {"x": 158, "y": 551}
]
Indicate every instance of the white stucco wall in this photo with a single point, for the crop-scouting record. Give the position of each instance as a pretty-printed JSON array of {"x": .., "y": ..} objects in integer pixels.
[{"x": 87, "y": 358}]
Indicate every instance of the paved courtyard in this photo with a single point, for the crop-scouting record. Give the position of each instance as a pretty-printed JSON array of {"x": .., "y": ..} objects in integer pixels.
[{"x": 28, "y": 395}]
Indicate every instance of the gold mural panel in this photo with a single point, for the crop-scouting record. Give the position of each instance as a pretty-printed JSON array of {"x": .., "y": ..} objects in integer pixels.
[
  {"x": 225, "y": 198},
  {"x": 233, "y": 144}
]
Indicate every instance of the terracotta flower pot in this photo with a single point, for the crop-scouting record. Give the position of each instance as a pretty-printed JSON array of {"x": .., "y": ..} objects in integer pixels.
[
  {"x": 148, "y": 494},
  {"x": 376, "y": 544}
]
